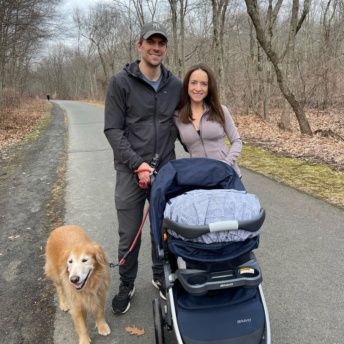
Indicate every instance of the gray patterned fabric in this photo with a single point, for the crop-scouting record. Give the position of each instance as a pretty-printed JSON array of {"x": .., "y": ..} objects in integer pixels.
[{"x": 201, "y": 207}]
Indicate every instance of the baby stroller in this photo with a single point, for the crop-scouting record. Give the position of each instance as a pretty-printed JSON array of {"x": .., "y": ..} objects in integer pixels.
[{"x": 213, "y": 286}]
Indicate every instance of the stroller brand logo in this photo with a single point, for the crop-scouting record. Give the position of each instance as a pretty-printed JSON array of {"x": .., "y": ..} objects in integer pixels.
[
  {"x": 224, "y": 285},
  {"x": 243, "y": 321}
]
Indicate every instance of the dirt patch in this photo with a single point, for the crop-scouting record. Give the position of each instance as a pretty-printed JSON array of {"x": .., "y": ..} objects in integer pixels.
[{"x": 31, "y": 205}]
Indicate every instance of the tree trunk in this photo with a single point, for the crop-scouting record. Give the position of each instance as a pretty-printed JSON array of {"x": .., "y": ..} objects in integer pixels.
[
  {"x": 284, "y": 122},
  {"x": 182, "y": 11},
  {"x": 266, "y": 44},
  {"x": 174, "y": 20},
  {"x": 327, "y": 51},
  {"x": 296, "y": 106},
  {"x": 218, "y": 21},
  {"x": 139, "y": 11}
]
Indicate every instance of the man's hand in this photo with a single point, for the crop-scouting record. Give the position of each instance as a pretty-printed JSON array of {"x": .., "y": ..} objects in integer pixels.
[{"x": 144, "y": 172}]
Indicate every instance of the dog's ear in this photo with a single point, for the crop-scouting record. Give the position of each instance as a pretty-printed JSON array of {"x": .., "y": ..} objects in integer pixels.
[{"x": 100, "y": 255}]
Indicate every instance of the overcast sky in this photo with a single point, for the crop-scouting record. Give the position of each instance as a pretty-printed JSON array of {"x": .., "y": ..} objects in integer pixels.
[{"x": 67, "y": 6}]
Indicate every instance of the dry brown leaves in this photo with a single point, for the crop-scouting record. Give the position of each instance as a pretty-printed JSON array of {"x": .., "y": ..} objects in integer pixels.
[
  {"x": 15, "y": 123},
  {"x": 135, "y": 331},
  {"x": 328, "y": 150}
]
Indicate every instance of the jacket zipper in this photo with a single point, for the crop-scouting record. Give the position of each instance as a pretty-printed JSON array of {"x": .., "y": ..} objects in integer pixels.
[
  {"x": 200, "y": 136},
  {"x": 161, "y": 86},
  {"x": 154, "y": 115},
  {"x": 155, "y": 125},
  {"x": 163, "y": 83}
]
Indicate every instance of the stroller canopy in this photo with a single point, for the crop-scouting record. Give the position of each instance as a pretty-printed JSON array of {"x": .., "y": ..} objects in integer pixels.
[{"x": 179, "y": 176}]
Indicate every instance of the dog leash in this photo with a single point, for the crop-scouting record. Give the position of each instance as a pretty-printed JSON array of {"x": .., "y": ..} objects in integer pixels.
[
  {"x": 144, "y": 186},
  {"x": 132, "y": 245}
]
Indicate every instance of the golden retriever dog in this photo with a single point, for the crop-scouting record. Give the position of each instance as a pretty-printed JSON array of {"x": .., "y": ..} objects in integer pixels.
[{"x": 80, "y": 272}]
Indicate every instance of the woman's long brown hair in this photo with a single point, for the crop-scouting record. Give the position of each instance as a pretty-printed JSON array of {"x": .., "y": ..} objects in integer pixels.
[{"x": 212, "y": 98}]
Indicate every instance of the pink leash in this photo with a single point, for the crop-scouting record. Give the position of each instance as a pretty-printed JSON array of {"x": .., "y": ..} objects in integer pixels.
[{"x": 133, "y": 244}]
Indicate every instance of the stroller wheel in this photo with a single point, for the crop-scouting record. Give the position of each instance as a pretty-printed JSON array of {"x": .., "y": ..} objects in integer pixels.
[{"x": 158, "y": 322}]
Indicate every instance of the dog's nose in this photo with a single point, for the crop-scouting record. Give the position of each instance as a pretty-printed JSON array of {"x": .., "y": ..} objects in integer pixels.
[{"x": 74, "y": 279}]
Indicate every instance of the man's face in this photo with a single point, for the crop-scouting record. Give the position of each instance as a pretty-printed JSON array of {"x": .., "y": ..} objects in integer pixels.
[{"x": 153, "y": 50}]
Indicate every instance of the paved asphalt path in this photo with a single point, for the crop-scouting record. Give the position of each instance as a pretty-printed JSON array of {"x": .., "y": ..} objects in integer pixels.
[{"x": 301, "y": 249}]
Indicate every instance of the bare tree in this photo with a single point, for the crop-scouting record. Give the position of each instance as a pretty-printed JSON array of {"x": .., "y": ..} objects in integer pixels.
[
  {"x": 144, "y": 9},
  {"x": 301, "y": 61},
  {"x": 327, "y": 20},
  {"x": 133, "y": 20},
  {"x": 102, "y": 27},
  {"x": 219, "y": 8},
  {"x": 24, "y": 25},
  {"x": 152, "y": 8},
  {"x": 182, "y": 13},
  {"x": 265, "y": 40},
  {"x": 174, "y": 21},
  {"x": 138, "y": 5},
  {"x": 178, "y": 38}
]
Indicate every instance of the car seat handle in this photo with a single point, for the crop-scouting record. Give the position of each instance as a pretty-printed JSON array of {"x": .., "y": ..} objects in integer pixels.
[{"x": 194, "y": 231}]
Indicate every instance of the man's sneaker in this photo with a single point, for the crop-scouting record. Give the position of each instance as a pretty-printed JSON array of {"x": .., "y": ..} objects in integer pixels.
[
  {"x": 121, "y": 301},
  {"x": 159, "y": 283}
]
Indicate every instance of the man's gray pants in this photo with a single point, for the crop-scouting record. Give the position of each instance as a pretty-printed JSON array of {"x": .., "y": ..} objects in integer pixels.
[{"x": 130, "y": 201}]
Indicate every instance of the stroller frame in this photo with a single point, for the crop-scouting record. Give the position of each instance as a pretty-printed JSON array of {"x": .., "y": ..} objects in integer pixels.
[{"x": 165, "y": 317}]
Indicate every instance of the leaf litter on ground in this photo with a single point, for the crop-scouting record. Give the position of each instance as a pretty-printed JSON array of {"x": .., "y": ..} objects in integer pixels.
[{"x": 135, "y": 331}]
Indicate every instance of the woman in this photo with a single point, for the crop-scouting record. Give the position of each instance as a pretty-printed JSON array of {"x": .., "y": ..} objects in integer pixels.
[{"x": 204, "y": 123}]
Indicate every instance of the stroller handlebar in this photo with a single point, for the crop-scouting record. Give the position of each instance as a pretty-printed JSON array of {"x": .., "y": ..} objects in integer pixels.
[{"x": 194, "y": 231}]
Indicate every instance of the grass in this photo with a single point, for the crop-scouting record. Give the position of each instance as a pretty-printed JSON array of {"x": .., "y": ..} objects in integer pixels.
[{"x": 317, "y": 180}]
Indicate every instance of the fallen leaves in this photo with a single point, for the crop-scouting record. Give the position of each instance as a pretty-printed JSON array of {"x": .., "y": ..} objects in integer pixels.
[
  {"x": 135, "y": 331},
  {"x": 318, "y": 148},
  {"x": 16, "y": 122}
]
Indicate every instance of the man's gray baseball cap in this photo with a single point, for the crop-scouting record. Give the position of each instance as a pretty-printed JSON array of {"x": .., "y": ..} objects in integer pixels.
[{"x": 153, "y": 28}]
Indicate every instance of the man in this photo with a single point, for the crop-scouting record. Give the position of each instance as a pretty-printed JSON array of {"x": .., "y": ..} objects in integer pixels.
[{"x": 139, "y": 107}]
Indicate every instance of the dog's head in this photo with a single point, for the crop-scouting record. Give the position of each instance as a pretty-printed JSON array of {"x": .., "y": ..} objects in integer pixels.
[{"x": 82, "y": 261}]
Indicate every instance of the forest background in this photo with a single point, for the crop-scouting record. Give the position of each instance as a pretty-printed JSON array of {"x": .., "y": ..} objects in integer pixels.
[{"x": 279, "y": 64}]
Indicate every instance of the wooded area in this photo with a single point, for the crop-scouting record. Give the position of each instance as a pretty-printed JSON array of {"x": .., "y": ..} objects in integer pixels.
[{"x": 271, "y": 57}]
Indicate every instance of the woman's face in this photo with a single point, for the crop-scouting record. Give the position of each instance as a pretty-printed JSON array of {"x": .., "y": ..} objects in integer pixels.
[{"x": 198, "y": 86}]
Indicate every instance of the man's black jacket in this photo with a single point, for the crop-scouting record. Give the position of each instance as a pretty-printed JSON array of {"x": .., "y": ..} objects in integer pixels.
[{"x": 139, "y": 120}]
